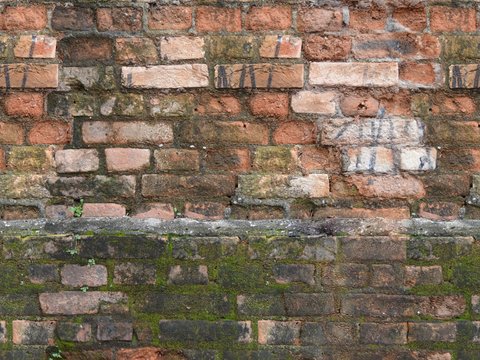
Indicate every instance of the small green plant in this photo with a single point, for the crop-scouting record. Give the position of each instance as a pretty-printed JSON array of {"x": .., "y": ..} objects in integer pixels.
[
  {"x": 91, "y": 262},
  {"x": 72, "y": 252},
  {"x": 55, "y": 354},
  {"x": 84, "y": 289},
  {"x": 77, "y": 210}
]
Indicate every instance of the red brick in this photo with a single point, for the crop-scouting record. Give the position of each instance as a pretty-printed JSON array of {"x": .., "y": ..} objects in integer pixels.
[
  {"x": 35, "y": 47},
  {"x": 205, "y": 210},
  {"x": 397, "y": 103},
  {"x": 452, "y": 105},
  {"x": 210, "y": 18},
  {"x": 78, "y": 302},
  {"x": 103, "y": 210},
  {"x": 295, "y": 132},
  {"x": 417, "y": 74},
  {"x": 269, "y": 105},
  {"x": 127, "y": 159},
  {"x": 218, "y": 105},
  {"x": 316, "y": 19},
  {"x": 320, "y": 47},
  {"x": 119, "y": 19},
  {"x": 357, "y": 105},
  {"x": 312, "y": 159},
  {"x": 29, "y": 76},
  {"x": 281, "y": 46},
  {"x": 396, "y": 45},
  {"x": 444, "y": 18},
  {"x": 439, "y": 210},
  {"x": 396, "y": 186},
  {"x": 170, "y": 18},
  {"x": 311, "y": 102},
  {"x": 269, "y": 18},
  {"x": 89, "y": 275},
  {"x": 50, "y": 132},
  {"x": 266, "y": 75},
  {"x": 85, "y": 48},
  {"x": 237, "y": 160},
  {"x": 155, "y": 211},
  {"x": 73, "y": 18},
  {"x": 177, "y": 160},
  {"x": 24, "y": 18},
  {"x": 11, "y": 133},
  {"x": 24, "y": 104},
  {"x": 368, "y": 19},
  {"x": 411, "y": 19}
]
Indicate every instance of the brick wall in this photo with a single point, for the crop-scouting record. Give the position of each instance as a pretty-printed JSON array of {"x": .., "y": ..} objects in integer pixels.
[
  {"x": 239, "y": 109},
  {"x": 333, "y": 290}
]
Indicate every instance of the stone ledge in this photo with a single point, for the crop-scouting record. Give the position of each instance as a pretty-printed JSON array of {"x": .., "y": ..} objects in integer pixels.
[{"x": 334, "y": 226}]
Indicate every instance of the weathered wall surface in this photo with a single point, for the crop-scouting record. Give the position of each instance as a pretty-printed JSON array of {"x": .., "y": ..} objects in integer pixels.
[
  {"x": 293, "y": 110},
  {"x": 329, "y": 290},
  {"x": 239, "y": 109}
]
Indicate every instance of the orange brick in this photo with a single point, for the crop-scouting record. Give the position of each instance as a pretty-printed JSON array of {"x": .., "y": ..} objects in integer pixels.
[
  {"x": 448, "y": 19},
  {"x": 210, "y": 18},
  {"x": 368, "y": 19},
  {"x": 50, "y": 132},
  {"x": 316, "y": 19},
  {"x": 412, "y": 19},
  {"x": 24, "y": 18},
  {"x": 170, "y": 18},
  {"x": 269, "y": 105},
  {"x": 295, "y": 132},
  {"x": 269, "y": 18},
  {"x": 11, "y": 133},
  {"x": 418, "y": 74},
  {"x": 24, "y": 104}
]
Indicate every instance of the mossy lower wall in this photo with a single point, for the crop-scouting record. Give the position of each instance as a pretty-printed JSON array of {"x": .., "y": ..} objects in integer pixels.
[{"x": 337, "y": 289}]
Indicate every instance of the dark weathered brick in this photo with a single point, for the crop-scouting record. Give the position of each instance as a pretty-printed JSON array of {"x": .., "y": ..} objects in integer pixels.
[
  {"x": 74, "y": 332},
  {"x": 113, "y": 330},
  {"x": 193, "y": 331},
  {"x": 134, "y": 274},
  {"x": 279, "y": 332},
  {"x": 308, "y": 248},
  {"x": 188, "y": 275},
  {"x": 425, "y": 332},
  {"x": 287, "y": 273},
  {"x": 384, "y": 334},
  {"x": 374, "y": 248},
  {"x": 42, "y": 273},
  {"x": 309, "y": 304},
  {"x": 178, "y": 304},
  {"x": 350, "y": 275},
  {"x": 204, "y": 248},
  {"x": 261, "y": 305},
  {"x": 124, "y": 247}
]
